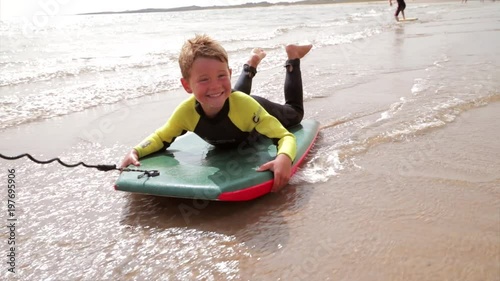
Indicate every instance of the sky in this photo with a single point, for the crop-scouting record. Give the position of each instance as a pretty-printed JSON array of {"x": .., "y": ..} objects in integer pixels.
[{"x": 30, "y": 8}]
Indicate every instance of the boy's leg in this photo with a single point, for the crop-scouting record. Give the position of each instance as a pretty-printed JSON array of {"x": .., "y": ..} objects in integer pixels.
[
  {"x": 292, "y": 112},
  {"x": 244, "y": 82}
]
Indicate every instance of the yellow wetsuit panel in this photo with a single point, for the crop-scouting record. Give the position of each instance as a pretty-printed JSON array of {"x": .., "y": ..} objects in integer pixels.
[{"x": 240, "y": 117}]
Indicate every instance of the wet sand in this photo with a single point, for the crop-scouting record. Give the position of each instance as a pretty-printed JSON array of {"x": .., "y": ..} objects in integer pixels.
[
  {"x": 425, "y": 209},
  {"x": 422, "y": 209}
]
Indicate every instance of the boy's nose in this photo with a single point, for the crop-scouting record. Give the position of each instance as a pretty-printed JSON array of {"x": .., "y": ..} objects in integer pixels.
[{"x": 214, "y": 84}]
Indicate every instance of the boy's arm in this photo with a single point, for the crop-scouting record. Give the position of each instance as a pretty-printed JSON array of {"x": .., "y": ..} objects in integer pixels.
[
  {"x": 248, "y": 115},
  {"x": 273, "y": 129},
  {"x": 183, "y": 119},
  {"x": 160, "y": 139},
  {"x": 282, "y": 169},
  {"x": 130, "y": 158},
  {"x": 281, "y": 166}
]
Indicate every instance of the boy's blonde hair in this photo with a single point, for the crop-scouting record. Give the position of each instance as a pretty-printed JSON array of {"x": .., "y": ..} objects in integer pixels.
[{"x": 200, "y": 46}]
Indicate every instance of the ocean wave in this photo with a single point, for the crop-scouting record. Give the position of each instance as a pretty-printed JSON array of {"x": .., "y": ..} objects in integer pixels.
[
  {"x": 359, "y": 133},
  {"x": 425, "y": 118},
  {"x": 45, "y": 70},
  {"x": 323, "y": 165},
  {"x": 270, "y": 34},
  {"x": 338, "y": 39},
  {"x": 16, "y": 110}
]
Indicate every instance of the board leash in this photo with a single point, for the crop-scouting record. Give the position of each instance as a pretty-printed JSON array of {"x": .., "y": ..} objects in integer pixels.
[{"x": 104, "y": 168}]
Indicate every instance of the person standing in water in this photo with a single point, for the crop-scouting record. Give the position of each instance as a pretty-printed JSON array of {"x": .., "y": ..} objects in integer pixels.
[{"x": 401, "y": 8}]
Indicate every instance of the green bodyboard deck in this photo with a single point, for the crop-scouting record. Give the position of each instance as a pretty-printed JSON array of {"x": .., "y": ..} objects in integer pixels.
[{"x": 192, "y": 168}]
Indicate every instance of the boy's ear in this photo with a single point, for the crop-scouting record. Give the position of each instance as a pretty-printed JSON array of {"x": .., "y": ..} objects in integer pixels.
[{"x": 185, "y": 85}]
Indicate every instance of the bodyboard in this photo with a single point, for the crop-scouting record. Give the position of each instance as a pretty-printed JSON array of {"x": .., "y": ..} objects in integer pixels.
[
  {"x": 408, "y": 19},
  {"x": 192, "y": 168}
]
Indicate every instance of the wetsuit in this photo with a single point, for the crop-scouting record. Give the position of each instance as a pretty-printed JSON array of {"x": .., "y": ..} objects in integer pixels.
[
  {"x": 292, "y": 111},
  {"x": 242, "y": 119},
  {"x": 401, "y": 7}
]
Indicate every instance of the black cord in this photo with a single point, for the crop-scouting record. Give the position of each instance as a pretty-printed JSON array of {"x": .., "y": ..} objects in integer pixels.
[
  {"x": 104, "y": 168},
  {"x": 99, "y": 167}
]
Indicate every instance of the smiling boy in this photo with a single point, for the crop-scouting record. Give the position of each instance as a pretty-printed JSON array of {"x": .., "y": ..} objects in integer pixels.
[{"x": 225, "y": 117}]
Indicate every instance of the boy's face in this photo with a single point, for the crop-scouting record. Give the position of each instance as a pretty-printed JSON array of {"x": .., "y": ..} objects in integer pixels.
[{"x": 210, "y": 82}]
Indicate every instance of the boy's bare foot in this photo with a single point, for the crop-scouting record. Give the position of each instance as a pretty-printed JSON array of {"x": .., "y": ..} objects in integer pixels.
[
  {"x": 256, "y": 56},
  {"x": 297, "y": 51}
]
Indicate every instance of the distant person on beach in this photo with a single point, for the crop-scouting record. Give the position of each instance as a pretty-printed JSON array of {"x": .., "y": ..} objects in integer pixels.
[
  {"x": 465, "y": 1},
  {"x": 226, "y": 117},
  {"x": 401, "y": 8}
]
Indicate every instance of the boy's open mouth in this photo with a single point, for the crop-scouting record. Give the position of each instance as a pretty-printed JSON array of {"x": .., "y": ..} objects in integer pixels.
[{"x": 215, "y": 95}]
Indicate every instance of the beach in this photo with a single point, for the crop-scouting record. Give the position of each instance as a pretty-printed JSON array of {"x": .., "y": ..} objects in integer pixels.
[{"x": 403, "y": 182}]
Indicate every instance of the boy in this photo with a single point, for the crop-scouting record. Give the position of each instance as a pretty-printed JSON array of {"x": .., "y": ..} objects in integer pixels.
[{"x": 225, "y": 117}]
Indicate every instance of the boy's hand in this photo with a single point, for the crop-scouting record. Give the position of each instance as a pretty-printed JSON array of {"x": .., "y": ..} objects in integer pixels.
[
  {"x": 131, "y": 158},
  {"x": 282, "y": 168}
]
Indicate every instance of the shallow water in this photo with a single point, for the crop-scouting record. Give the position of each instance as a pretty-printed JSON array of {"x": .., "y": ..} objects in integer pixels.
[{"x": 402, "y": 183}]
